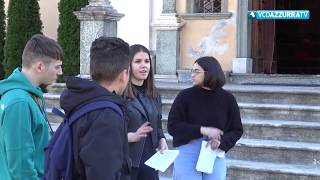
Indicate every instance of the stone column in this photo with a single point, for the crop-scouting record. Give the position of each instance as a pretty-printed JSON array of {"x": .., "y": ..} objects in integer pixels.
[
  {"x": 168, "y": 42},
  {"x": 243, "y": 62},
  {"x": 96, "y": 19}
]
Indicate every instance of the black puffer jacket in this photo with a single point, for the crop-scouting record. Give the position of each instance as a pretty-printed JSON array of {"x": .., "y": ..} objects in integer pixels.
[
  {"x": 99, "y": 137},
  {"x": 140, "y": 110}
]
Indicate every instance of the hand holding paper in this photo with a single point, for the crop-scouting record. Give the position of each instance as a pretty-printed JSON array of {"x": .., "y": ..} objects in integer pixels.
[
  {"x": 207, "y": 157},
  {"x": 161, "y": 161}
]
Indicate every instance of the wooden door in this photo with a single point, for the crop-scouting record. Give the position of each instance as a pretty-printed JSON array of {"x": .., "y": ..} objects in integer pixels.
[{"x": 263, "y": 39}]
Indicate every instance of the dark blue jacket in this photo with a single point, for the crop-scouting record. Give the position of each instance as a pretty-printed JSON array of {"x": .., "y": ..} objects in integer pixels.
[{"x": 100, "y": 137}]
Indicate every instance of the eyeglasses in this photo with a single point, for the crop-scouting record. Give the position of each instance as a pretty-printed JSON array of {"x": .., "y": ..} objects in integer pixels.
[{"x": 197, "y": 71}]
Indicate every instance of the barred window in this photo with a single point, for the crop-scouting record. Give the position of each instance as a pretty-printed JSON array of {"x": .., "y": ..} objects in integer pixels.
[
  {"x": 207, "y": 6},
  {"x": 207, "y": 9}
]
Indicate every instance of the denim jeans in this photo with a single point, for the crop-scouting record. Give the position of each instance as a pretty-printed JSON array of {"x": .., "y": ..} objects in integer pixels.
[{"x": 184, "y": 167}]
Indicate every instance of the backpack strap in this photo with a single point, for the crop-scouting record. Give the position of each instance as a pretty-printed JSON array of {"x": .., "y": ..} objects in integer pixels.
[
  {"x": 58, "y": 112},
  {"x": 94, "y": 106},
  {"x": 87, "y": 108}
]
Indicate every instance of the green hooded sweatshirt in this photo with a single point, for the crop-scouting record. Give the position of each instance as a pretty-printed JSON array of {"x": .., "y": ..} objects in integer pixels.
[{"x": 23, "y": 128}]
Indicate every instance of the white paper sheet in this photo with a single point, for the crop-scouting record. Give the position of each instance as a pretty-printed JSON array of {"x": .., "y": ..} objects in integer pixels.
[
  {"x": 207, "y": 157},
  {"x": 162, "y": 161}
]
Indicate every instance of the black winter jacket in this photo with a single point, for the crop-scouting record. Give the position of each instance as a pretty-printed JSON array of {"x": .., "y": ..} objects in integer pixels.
[
  {"x": 100, "y": 137},
  {"x": 137, "y": 115},
  {"x": 195, "y": 107}
]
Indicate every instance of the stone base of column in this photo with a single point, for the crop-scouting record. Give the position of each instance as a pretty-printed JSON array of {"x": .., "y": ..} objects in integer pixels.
[
  {"x": 165, "y": 78},
  {"x": 184, "y": 75},
  {"x": 167, "y": 52},
  {"x": 242, "y": 65},
  {"x": 168, "y": 44}
]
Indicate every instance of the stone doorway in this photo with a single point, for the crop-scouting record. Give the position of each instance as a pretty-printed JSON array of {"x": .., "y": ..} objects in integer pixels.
[{"x": 286, "y": 47}]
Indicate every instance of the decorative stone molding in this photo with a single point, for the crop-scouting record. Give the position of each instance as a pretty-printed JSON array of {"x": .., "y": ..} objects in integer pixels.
[
  {"x": 206, "y": 16},
  {"x": 169, "y": 22},
  {"x": 99, "y": 3},
  {"x": 96, "y": 19},
  {"x": 98, "y": 10},
  {"x": 97, "y": 15}
]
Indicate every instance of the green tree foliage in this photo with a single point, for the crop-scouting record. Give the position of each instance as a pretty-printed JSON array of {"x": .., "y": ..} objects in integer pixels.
[
  {"x": 69, "y": 35},
  {"x": 2, "y": 36},
  {"x": 23, "y": 22}
]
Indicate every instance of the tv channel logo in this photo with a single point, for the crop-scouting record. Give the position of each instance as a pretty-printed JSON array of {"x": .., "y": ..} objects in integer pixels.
[{"x": 279, "y": 14}]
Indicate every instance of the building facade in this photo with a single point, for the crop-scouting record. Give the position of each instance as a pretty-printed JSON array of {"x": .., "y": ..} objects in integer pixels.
[{"x": 177, "y": 32}]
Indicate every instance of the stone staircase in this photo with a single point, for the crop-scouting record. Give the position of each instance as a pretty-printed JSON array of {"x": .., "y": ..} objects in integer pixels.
[{"x": 281, "y": 137}]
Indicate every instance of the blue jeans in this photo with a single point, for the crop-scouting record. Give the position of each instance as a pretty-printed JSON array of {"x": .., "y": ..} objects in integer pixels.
[{"x": 185, "y": 164}]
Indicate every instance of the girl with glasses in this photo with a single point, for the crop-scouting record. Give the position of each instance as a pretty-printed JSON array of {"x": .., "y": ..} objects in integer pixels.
[{"x": 204, "y": 112}]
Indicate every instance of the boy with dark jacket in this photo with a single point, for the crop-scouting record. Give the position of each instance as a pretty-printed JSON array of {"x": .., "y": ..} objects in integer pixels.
[{"x": 100, "y": 144}]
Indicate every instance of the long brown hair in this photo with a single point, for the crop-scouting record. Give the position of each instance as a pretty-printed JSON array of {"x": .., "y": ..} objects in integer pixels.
[{"x": 148, "y": 84}]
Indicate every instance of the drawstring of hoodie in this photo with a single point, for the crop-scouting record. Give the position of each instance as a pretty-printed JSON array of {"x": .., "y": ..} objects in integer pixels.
[{"x": 42, "y": 105}]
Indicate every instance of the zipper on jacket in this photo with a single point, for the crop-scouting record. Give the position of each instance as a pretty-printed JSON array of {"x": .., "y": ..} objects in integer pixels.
[
  {"x": 140, "y": 155},
  {"x": 147, "y": 119}
]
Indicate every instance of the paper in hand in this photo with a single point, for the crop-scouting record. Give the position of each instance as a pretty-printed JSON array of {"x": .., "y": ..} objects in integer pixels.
[
  {"x": 160, "y": 161},
  {"x": 207, "y": 157}
]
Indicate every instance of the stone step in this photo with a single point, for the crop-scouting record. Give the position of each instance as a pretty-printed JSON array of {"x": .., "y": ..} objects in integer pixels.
[
  {"x": 263, "y": 129},
  {"x": 52, "y": 100},
  {"x": 164, "y": 123},
  {"x": 248, "y": 110},
  {"x": 281, "y": 126},
  {"x": 54, "y": 126},
  {"x": 286, "y": 130},
  {"x": 275, "y": 151},
  {"x": 279, "y": 112},
  {"x": 275, "y": 94},
  {"x": 270, "y": 94},
  {"x": 249, "y": 170},
  {"x": 169, "y": 140},
  {"x": 170, "y": 90},
  {"x": 56, "y": 88},
  {"x": 166, "y": 106},
  {"x": 275, "y": 79},
  {"x": 242, "y": 169},
  {"x": 268, "y": 111}
]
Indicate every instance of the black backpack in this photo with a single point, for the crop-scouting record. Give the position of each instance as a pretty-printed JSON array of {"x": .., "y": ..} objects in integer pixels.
[{"x": 59, "y": 151}]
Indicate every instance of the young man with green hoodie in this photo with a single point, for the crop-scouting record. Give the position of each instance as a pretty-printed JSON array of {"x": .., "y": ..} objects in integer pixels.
[{"x": 24, "y": 128}]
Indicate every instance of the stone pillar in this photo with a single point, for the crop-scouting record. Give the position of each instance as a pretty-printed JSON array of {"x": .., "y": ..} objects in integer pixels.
[
  {"x": 96, "y": 19},
  {"x": 243, "y": 62},
  {"x": 168, "y": 41}
]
